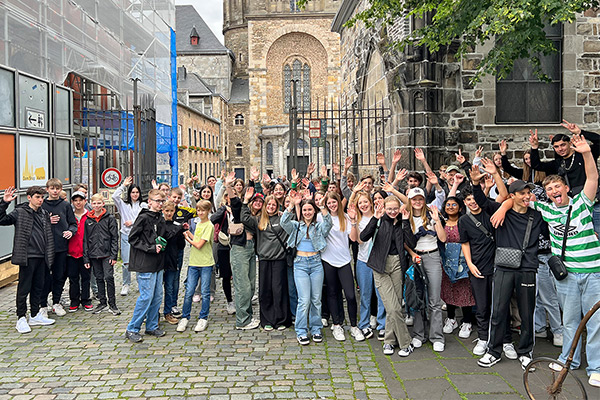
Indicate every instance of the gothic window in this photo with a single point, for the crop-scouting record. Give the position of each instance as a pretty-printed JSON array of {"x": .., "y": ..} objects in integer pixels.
[
  {"x": 238, "y": 150},
  {"x": 287, "y": 88},
  {"x": 301, "y": 75},
  {"x": 293, "y": 6},
  {"x": 239, "y": 119},
  {"x": 269, "y": 153},
  {"x": 306, "y": 87}
]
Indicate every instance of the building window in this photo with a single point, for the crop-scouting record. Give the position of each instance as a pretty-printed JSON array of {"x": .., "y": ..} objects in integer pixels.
[
  {"x": 191, "y": 170},
  {"x": 189, "y": 136},
  {"x": 179, "y": 135},
  {"x": 239, "y": 119},
  {"x": 269, "y": 153},
  {"x": 301, "y": 74},
  {"x": 205, "y": 142},
  {"x": 209, "y": 135},
  {"x": 522, "y": 98},
  {"x": 195, "y": 138},
  {"x": 196, "y": 168},
  {"x": 294, "y": 6},
  {"x": 238, "y": 150}
]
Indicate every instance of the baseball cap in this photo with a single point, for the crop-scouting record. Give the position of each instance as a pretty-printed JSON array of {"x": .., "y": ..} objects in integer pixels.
[
  {"x": 78, "y": 194},
  {"x": 415, "y": 192},
  {"x": 452, "y": 168},
  {"x": 519, "y": 185},
  {"x": 258, "y": 196}
]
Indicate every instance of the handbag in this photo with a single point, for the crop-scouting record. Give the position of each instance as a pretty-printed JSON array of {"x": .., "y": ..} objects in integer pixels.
[
  {"x": 236, "y": 229},
  {"x": 509, "y": 257},
  {"x": 220, "y": 236},
  {"x": 223, "y": 239},
  {"x": 556, "y": 263},
  {"x": 455, "y": 265},
  {"x": 290, "y": 252}
]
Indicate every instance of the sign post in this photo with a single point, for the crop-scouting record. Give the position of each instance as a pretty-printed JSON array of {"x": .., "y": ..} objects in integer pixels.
[{"x": 111, "y": 177}]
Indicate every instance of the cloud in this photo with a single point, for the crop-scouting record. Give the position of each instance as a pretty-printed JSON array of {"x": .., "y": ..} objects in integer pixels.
[{"x": 211, "y": 11}]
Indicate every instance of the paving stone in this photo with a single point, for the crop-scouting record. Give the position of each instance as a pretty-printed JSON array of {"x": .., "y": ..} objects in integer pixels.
[
  {"x": 480, "y": 383},
  {"x": 419, "y": 369},
  {"x": 430, "y": 389}
]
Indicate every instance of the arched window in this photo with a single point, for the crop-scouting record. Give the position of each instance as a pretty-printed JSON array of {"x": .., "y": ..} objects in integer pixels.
[
  {"x": 238, "y": 150},
  {"x": 269, "y": 153},
  {"x": 301, "y": 75},
  {"x": 302, "y": 144},
  {"x": 239, "y": 119}
]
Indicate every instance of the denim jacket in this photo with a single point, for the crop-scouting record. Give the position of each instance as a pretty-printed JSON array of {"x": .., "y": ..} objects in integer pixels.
[{"x": 317, "y": 231}]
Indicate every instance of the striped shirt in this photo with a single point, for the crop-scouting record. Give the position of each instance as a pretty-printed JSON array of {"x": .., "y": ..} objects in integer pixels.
[{"x": 582, "y": 253}]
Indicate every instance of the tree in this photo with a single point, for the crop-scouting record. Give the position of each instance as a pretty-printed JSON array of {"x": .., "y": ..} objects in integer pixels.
[{"x": 516, "y": 27}]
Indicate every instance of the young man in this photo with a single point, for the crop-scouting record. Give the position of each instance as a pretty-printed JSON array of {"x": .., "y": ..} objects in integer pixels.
[
  {"x": 79, "y": 275},
  {"x": 147, "y": 260},
  {"x": 578, "y": 292},
  {"x": 33, "y": 252},
  {"x": 64, "y": 226}
]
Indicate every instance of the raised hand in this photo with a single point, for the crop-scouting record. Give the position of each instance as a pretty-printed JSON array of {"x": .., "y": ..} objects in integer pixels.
[
  {"x": 479, "y": 151},
  {"x": 533, "y": 139},
  {"x": 348, "y": 163},
  {"x": 248, "y": 195},
  {"x": 324, "y": 170},
  {"x": 419, "y": 155},
  {"x": 254, "y": 174},
  {"x": 503, "y": 147},
  {"x": 404, "y": 212},
  {"x": 400, "y": 175},
  {"x": 296, "y": 197},
  {"x": 128, "y": 181},
  {"x": 458, "y": 179},
  {"x": 489, "y": 166},
  {"x": 432, "y": 178},
  {"x": 380, "y": 159},
  {"x": 9, "y": 194},
  {"x": 573, "y": 128},
  {"x": 335, "y": 169},
  {"x": 154, "y": 184},
  {"x": 475, "y": 174},
  {"x": 223, "y": 174},
  {"x": 266, "y": 179},
  {"x": 489, "y": 181},
  {"x": 352, "y": 212},
  {"x": 387, "y": 187},
  {"x": 311, "y": 168},
  {"x": 379, "y": 211},
  {"x": 321, "y": 202},
  {"x": 459, "y": 157},
  {"x": 305, "y": 182},
  {"x": 435, "y": 214},
  {"x": 397, "y": 156},
  {"x": 580, "y": 144},
  {"x": 294, "y": 175},
  {"x": 359, "y": 186},
  {"x": 230, "y": 178}
]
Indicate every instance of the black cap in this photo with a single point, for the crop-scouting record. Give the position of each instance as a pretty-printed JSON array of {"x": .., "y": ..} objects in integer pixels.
[{"x": 519, "y": 185}]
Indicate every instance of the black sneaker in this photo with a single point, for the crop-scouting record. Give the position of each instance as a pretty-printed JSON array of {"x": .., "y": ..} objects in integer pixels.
[
  {"x": 367, "y": 333},
  {"x": 381, "y": 335},
  {"x": 303, "y": 340},
  {"x": 318, "y": 338},
  {"x": 135, "y": 337},
  {"x": 114, "y": 310},
  {"x": 88, "y": 307},
  {"x": 157, "y": 332},
  {"x": 99, "y": 308}
]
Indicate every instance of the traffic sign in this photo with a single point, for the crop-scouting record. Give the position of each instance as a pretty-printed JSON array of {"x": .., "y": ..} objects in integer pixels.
[
  {"x": 111, "y": 177},
  {"x": 314, "y": 133},
  {"x": 35, "y": 119}
]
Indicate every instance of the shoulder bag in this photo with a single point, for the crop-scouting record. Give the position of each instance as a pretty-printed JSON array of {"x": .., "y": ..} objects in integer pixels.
[
  {"x": 556, "y": 263},
  {"x": 509, "y": 257},
  {"x": 290, "y": 252}
]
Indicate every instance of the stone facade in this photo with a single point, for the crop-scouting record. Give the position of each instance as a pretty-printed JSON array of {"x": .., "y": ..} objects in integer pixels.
[{"x": 215, "y": 70}]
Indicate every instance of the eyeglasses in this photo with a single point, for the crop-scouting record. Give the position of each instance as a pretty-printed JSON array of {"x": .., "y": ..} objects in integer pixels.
[
  {"x": 158, "y": 201},
  {"x": 395, "y": 209}
]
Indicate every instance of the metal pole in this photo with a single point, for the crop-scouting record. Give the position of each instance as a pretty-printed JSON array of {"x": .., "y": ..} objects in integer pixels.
[
  {"x": 294, "y": 125},
  {"x": 137, "y": 134}
]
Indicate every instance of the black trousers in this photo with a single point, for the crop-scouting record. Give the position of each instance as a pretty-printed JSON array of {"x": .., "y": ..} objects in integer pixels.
[
  {"x": 104, "y": 273},
  {"x": 79, "y": 282},
  {"x": 505, "y": 282},
  {"x": 31, "y": 283},
  {"x": 57, "y": 278},
  {"x": 225, "y": 272},
  {"x": 467, "y": 313},
  {"x": 339, "y": 279},
  {"x": 273, "y": 293}
]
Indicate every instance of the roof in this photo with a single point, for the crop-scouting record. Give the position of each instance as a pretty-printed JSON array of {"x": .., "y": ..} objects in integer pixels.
[
  {"x": 193, "y": 84},
  {"x": 343, "y": 15},
  {"x": 188, "y": 20},
  {"x": 240, "y": 91}
]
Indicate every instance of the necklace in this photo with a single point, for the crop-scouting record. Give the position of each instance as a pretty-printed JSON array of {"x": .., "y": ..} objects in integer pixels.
[{"x": 570, "y": 165}]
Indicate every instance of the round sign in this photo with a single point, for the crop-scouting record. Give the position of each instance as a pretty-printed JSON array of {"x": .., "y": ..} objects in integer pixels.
[{"x": 111, "y": 177}]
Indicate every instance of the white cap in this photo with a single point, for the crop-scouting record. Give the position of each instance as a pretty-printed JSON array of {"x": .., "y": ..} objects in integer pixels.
[{"x": 416, "y": 192}]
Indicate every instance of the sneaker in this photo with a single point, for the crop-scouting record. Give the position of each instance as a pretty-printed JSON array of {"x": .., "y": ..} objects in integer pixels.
[
  {"x": 175, "y": 311},
  {"x": 22, "y": 325},
  {"x": 125, "y": 290},
  {"x": 231, "y": 308},
  {"x": 317, "y": 338},
  {"x": 416, "y": 343},
  {"x": 88, "y": 307},
  {"x": 157, "y": 332},
  {"x": 388, "y": 349},
  {"x": 196, "y": 298},
  {"x": 488, "y": 361},
  {"x": 439, "y": 346},
  {"x": 324, "y": 321},
  {"x": 44, "y": 311},
  {"x": 480, "y": 347},
  {"x": 357, "y": 334},
  {"x": 367, "y": 333},
  {"x": 338, "y": 333},
  {"x": 58, "y": 310},
  {"x": 594, "y": 379},
  {"x": 373, "y": 322},
  {"x": 40, "y": 320},
  {"x": 449, "y": 325},
  {"x": 406, "y": 352},
  {"x": 114, "y": 310},
  {"x": 182, "y": 325},
  {"x": 410, "y": 320},
  {"x": 555, "y": 366},
  {"x": 465, "y": 330},
  {"x": 134, "y": 337},
  {"x": 171, "y": 319},
  {"x": 268, "y": 328},
  {"x": 542, "y": 334},
  {"x": 73, "y": 308},
  {"x": 201, "y": 325},
  {"x": 98, "y": 309},
  {"x": 253, "y": 324},
  {"x": 509, "y": 351},
  {"x": 381, "y": 335},
  {"x": 303, "y": 340},
  {"x": 557, "y": 340},
  {"x": 524, "y": 360},
  {"x": 281, "y": 328}
]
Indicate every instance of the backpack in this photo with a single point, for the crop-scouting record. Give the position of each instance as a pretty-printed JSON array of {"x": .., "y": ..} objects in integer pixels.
[{"x": 415, "y": 290}]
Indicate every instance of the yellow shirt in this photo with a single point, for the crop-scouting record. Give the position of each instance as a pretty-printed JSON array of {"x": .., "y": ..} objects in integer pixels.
[{"x": 203, "y": 257}]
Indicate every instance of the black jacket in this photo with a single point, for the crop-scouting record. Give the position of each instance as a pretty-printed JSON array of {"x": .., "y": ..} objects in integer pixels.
[
  {"x": 67, "y": 222},
  {"x": 100, "y": 238},
  {"x": 381, "y": 245},
  {"x": 236, "y": 212},
  {"x": 22, "y": 218},
  {"x": 174, "y": 231},
  {"x": 142, "y": 238}
]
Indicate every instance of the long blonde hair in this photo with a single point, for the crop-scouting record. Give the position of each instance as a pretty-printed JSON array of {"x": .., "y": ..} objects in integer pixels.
[
  {"x": 423, "y": 215},
  {"x": 264, "y": 218},
  {"x": 340, "y": 210},
  {"x": 358, "y": 196}
]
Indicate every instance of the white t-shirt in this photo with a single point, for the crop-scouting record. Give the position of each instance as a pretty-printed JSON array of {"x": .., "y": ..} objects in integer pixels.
[
  {"x": 364, "y": 248},
  {"x": 337, "y": 252},
  {"x": 427, "y": 242}
]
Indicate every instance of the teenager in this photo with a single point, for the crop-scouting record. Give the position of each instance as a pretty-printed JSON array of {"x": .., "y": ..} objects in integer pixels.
[
  {"x": 174, "y": 233},
  {"x": 79, "y": 275},
  {"x": 222, "y": 218}
]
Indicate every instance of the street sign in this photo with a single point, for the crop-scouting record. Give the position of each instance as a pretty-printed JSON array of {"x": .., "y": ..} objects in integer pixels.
[
  {"x": 35, "y": 119},
  {"x": 314, "y": 133},
  {"x": 111, "y": 177}
]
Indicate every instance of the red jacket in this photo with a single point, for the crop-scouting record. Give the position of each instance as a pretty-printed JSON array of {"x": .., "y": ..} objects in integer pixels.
[{"x": 76, "y": 241}]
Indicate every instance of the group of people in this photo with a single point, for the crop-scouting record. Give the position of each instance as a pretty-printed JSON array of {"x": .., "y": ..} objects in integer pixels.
[{"x": 476, "y": 236}]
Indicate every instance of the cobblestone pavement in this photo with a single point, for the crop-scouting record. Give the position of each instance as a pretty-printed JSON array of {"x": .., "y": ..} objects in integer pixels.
[{"x": 86, "y": 356}]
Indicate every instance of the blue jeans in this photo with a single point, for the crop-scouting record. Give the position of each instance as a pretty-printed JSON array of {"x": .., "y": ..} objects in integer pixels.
[
  {"x": 364, "y": 279},
  {"x": 194, "y": 274},
  {"x": 577, "y": 293},
  {"x": 170, "y": 279},
  {"x": 148, "y": 302},
  {"x": 308, "y": 275},
  {"x": 125, "y": 258},
  {"x": 292, "y": 290},
  {"x": 546, "y": 299}
]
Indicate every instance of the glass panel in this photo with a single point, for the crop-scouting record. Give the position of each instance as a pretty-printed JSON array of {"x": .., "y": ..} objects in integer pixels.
[
  {"x": 270, "y": 153},
  {"x": 544, "y": 102},
  {"x": 62, "y": 111},
  {"x": 551, "y": 63},
  {"x": 7, "y": 232},
  {"x": 34, "y": 161},
  {"x": 510, "y": 102},
  {"x": 33, "y": 98},
  {"x": 287, "y": 88},
  {"x": 306, "y": 87},
  {"x": 297, "y": 76},
  {"x": 62, "y": 162},
  {"x": 7, "y": 98},
  {"x": 327, "y": 152}
]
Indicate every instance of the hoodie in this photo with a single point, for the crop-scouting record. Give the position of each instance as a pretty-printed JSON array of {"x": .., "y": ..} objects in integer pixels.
[{"x": 67, "y": 222}]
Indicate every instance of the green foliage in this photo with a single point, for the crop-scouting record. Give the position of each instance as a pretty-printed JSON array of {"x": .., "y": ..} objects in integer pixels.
[{"x": 514, "y": 27}]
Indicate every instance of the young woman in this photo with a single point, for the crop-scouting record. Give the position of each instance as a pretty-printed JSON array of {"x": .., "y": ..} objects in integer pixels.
[
  {"x": 338, "y": 273},
  {"x": 390, "y": 235},
  {"x": 457, "y": 294},
  {"x": 279, "y": 191},
  {"x": 308, "y": 237},
  {"x": 128, "y": 210},
  {"x": 272, "y": 265},
  {"x": 427, "y": 228},
  {"x": 222, "y": 217},
  {"x": 206, "y": 193}
]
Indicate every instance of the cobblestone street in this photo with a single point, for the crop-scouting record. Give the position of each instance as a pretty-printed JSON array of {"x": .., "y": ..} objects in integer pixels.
[{"x": 86, "y": 356}]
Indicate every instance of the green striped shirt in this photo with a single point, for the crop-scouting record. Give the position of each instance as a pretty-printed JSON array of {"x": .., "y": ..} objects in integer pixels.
[{"x": 582, "y": 253}]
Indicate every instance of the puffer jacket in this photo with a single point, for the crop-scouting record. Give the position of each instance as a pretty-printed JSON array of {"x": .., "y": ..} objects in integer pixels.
[
  {"x": 147, "y": 227},
  {"x": 101, "y": 237}
]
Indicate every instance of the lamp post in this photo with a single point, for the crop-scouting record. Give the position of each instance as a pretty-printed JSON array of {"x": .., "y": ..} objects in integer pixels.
[{"x": 293, "y": 127}]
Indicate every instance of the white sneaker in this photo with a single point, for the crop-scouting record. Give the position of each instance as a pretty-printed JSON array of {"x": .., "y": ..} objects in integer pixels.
[
  {"x": 555, "y": 367},
  {"x": 373, "y": 322},
  {"x": 465, "y": 330},
  {"x": 338, "y": 333},
  {"x": 449, "y": 325},
  {"x": 201, "y": 325},
  {"x": 196, "y": 298},
  {"x": 324, "y": 322},
  {"x": 58, "y": 310},
  {"x": 388, "y": 349},
  {"x": 524, "y": 360},
  {"x": 488, "y": 361},
  {"x": 125, "y": 290},
  {"x": 480, "y": 347},
  {"x": 44, "y": 311},
  {"x": 182, "y": 325},
  {"x": 509, "y": 351},
  {"x": 23, "y": 326},
  {"x": 439, "y": 346},
  {"x": 39, "y": 319},
  {"x": 557, "y": 340},
  {"x": 410, "y": 320},
  {"x": 357, "y": 334},
  {"x": 416, "y": 343},
  {"x": 253, "y": 324},
  {"x": 231, "y": 308}
]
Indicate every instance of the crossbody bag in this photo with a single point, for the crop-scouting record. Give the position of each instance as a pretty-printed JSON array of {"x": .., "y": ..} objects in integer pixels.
[
  {"x": 556, "y": 263},
  {"x": 290, "y": 252},
  {"x": 509, "y": 257}
]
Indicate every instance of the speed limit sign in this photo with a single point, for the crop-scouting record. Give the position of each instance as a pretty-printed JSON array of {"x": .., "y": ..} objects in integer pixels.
[{"x": 111, "y": 177}]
